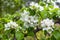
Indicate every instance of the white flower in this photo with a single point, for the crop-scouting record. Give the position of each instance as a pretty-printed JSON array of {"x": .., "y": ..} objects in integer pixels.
[
  {"x": 7, "y": 26},
  {"x": 48, "y": 29},
  {"x": 47, "y": 22},
  {"x": 41, "y": 8},
  {"x": 29, "y": 21},
  {"x": 47, "y": 25},
  {"x": 55, "y": 6},
  {"x": 36, "y": 5},
  {"x": 24, "y": 15},
  {"x": 57, "y": 0},
  {"x": 33, "y": 4},
  {"x": 11, "y": 24},
  {"x": 48, "y": 1}
]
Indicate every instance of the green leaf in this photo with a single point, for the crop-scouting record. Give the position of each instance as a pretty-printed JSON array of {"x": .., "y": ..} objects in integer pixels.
[
  {"x": 30, "y": 31},
  {"x": 1, "y": 27},
  {"x": 1, "y": 35},
  {"x": 44, "y": 14},
  {"x": 52, "y": 38},
  {"x": 40, "y": 35},
  {"x": 19, "y": 35},
  {"x": 56, "y": 35},
  {"x": 31, "y": 34}
]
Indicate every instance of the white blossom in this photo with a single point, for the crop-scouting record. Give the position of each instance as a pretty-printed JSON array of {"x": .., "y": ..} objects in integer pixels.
[
  {"x": 37, "y": 5},
  {"x": 57, "y": 0},
  {"x": 11, "y": 24},
  {"x": 24, "y": 15},
  {"x": 47, "y": 25},
  {"x": 29, "y": 21},
  {"x": 41, "y": 8},
  {"x": 33, "y": 4},
  {"x": 47, "y": 22},
  {"x": 55, "y": 6},
  {"x": 7, "y": 26},
  {"x": 48, "y": 29},
  {"x": 48, "y": 1}
]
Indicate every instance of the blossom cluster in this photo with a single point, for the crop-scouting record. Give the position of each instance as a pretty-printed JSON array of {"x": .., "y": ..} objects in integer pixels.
[
  {"x": 11, "y": 24},
  {"x": 36, "y": 5},
  {"x": 47, "y": 25},
  {"x": 29, "y": 21}
]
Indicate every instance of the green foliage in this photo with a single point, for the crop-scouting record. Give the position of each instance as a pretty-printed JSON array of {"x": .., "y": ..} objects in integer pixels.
[
  {"x": 56, "y": 34},
  {"x": 11, "y": 10},
  {"x": 19, "y": 36}
]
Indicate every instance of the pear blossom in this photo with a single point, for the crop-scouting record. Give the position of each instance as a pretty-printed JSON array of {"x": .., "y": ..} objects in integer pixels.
[
  {"x": 48, "y": 29},
  {"x": 47, "y": 25},
  {"x": 33, "y": 4},
  {"x": 29, "y": 21},
  {"x": 11, "y": 24},
  {"x": 7, "y": 26},
  {"x": 41, "y": 8},
  {"x": 55, "y": 6},
  {"x": 57, "y": 0},
  {"x": 47, "y": 22},
  {"x": 24, "y": 15},
  {"x": 36, "y": 5},
  {"x": 48, "y": 1}
]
